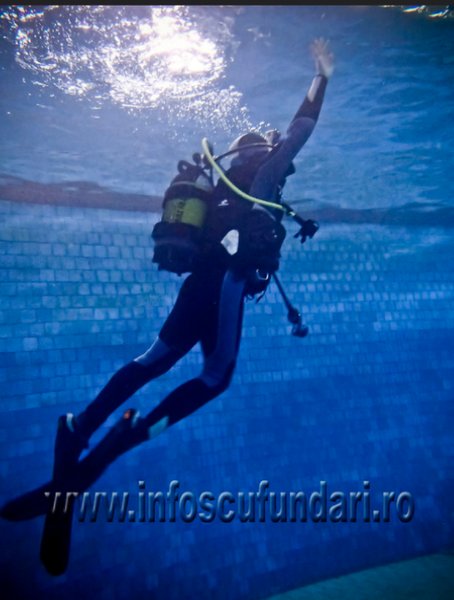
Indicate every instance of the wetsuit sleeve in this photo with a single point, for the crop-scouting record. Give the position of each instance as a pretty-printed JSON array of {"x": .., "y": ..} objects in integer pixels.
[
  {"x": 312, "y": 104},
  {"x": 273, "y": 171}
]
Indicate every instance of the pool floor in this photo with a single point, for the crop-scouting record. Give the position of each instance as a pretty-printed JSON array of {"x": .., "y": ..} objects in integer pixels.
[{"x": 425, "y": 578}]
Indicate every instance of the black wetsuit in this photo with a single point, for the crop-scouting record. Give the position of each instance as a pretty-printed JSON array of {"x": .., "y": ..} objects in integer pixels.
[{"x": 209, "y": 309}]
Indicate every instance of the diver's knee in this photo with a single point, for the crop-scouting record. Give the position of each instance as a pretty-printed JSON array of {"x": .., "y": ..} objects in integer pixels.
[
  {"x": 159, "y": 358},
  {"x": 218, "y": 380}
]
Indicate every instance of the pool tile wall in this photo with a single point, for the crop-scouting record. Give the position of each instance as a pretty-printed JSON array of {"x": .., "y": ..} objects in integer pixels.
[{"x": 366, "y": 397}]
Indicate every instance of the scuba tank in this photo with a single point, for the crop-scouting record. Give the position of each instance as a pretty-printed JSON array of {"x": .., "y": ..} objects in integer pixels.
[{"x": 178, "y": 236}]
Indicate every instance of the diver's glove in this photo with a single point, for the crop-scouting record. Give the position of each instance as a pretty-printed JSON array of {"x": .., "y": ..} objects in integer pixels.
[{"x": 308, "y": 229}]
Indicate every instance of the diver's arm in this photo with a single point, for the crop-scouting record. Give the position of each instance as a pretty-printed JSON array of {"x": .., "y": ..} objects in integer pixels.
[
  {"x": 312, "y": 104},
  {"x": 324, "y": 66},
  {"x": 301, "y": 126},
  {"x": 303, "y": 123}
]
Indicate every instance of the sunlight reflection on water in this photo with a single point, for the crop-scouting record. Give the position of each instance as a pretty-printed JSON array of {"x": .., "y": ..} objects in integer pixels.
[{"x": 167, "y": 58}]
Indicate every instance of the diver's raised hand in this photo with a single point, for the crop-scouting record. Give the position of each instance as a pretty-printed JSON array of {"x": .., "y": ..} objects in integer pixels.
[{"x": 324, "y": 59}]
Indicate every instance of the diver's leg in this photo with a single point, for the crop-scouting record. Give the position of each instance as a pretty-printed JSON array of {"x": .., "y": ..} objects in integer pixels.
[
  {"x": 220, "y": 353},
  {"x": 177, "y": 336},
  {"x": 132, "y": 430},
  {"x": 157, "y": 360},
  {"x": 73, "y": 432}
]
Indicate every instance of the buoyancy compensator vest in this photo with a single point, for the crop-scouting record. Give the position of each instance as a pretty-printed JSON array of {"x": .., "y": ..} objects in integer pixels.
[
  {"x": 178, "y": 237},
  {"x": 220, "y": 225},
  {"x": 249, "y": 234}
]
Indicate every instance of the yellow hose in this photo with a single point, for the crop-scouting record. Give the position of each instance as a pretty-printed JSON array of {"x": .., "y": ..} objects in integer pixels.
[{"x": 232, "y": 186}]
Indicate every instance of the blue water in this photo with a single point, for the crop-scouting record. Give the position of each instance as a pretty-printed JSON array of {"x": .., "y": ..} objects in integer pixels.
[
  {"x": 109, "y": 98},
  {"x": 386, "y": 121}
]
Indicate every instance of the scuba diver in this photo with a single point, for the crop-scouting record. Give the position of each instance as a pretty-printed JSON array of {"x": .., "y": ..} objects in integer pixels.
[{"x": 230, "y": 258}]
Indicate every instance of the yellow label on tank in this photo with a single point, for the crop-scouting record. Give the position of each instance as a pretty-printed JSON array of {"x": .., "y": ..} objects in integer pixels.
[{"x": 189, "y": 210}]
